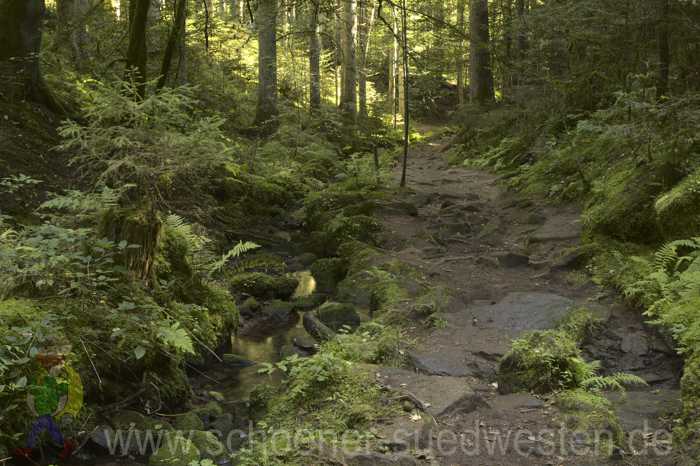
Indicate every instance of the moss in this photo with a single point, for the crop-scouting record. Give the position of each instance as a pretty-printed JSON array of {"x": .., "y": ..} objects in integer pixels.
[
  {"x": 127, "y": 419},
  {"x": 209, "y": 411},
  {"x": 208, "y": 445},
  {"x": 188, "y": 422},
  {"x": 328, "y": 273},
  {"x": 175, "y": 450},
  {"x": 338, "y": 315},
  {"x": 263, "y": 286}
]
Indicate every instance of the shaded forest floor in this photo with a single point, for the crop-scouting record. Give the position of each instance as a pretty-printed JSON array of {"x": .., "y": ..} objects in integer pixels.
[{"x": 512, "y": 266}]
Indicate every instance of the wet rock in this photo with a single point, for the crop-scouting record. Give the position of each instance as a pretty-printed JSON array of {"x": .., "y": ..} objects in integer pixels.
[
  {"x": 316, "y": 328},
  {"x": 328, "y": 273},
  {"x": 638, "y": 410},
  {"x": 237, "y": 360},
  {"x": 488, "y": 261},
  {"x": 561, "y": 228},
  {"x": 305, "y": 343},
  {"x": 250, "y": 307},
  {"x": 263, "y": 286},
  {"x": 513, "y": 260},
  {"x": 535, "y": 219},
  {"x": 307, "y": 259},
  {"x": 570, "y": 260},
  {"x": 272, "y": 316},
  {"x": 338, "y": 315},
  {"x": 290, "y": 350}
]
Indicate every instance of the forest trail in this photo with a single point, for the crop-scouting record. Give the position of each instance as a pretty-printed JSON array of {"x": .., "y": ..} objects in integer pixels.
[{"x": 510, "y": 264}]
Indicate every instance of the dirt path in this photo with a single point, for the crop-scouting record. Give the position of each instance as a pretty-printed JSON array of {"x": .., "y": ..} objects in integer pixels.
[{"x": 511, "y": 266}]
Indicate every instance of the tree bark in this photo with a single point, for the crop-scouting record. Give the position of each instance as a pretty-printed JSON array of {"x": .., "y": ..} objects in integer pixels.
[
  {"x": 137, "y": 53},
  {"x": 406, "y": 90},
  {"x": 521, "y": 8},
  {"x": 20, "y": 36},
  {"x": 366, "y": 21},
  {"x": 71, "y": 29},
  {"x": 266, "y": 116},
  {"x": 393, "y": 69},
  {"x": 461, "y": 10},
  {"x": 315, "y": 56},
  {"x": 664, "y": 50},
  {"x": 177, "y": 31},
  {"x": 348, "y": 32},
  {"x": 481, "y": 76}
]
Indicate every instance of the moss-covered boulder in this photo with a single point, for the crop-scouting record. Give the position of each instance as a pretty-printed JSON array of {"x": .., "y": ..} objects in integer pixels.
[
  {"x": 208, "y": 444},
  {"x": 328, "y": 273},
  {"x": 188, "y": 422},
  {"x": 338, "y": 315},
  {"x": 175, "y": 450},
  {"x": 264, "y": 286},
  {"x": 272, "y": 316},
  {"x": 678, "y": 210},
  {"x": 541, "y": 362},
  {"x": 209, "y": 411},
  {"x": 128, "y": 420}
]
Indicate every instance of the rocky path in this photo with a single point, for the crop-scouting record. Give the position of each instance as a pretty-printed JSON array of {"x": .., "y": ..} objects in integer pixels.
[{"x": 511, "y": 265}]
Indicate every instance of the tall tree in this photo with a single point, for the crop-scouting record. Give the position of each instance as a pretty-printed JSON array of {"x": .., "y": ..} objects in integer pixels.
[
  {"x": 175, "y": 40},
  {"x": 137, "y": 52},
  {"x": 522, "y": 6},
  {"x": 406, "y": 89},
  {"x": 461, "y": 16},
  {"x": 481, "y": 76},
  {"x": 393, "y": 68},
  {"x": 315, "y": 55},
  {"x": 20, "y": 36},
  {"x": 664, "y": 50},
  {"x": 366, "y": 21},
  {"x": 266, "y": 115},
  {"x": 71, "y": 28},
  {"x": 348, "y": 31}
]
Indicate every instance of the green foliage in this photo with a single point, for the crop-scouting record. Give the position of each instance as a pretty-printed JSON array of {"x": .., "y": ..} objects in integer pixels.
[{"x": 124, "y": 140}]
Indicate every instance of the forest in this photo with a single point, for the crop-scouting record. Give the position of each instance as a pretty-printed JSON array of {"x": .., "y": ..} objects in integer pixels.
[{"x": 349, "y": 232}]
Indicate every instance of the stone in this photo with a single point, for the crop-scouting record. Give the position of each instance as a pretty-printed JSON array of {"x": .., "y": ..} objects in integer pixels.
[
  {"x": 222, "y": 424},
  {"x": 328, "y": 272},
  {"x": 305, "y": 343},
  {"x": 208, "y": 444},
  {"x": 211, "y": 410},
  {"x": 237, "y": 360},
  {"x": 188, "y": 422},
  {"x": 263, "y": 286},
  {"x": 513, "y": 260},
  {"x": 379, "y": 459},
  {"x": 274, "y": 315},
  {"x": 175, "y": 451},
  {"x": 316, "y": 328},
  {"x": 338, "y": 315},
  {"x": 128, "y": 420}
]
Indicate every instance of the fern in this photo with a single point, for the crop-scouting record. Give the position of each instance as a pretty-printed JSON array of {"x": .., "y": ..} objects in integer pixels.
[
  {"x": 615, "y": 382},
  {"x": 235, "y": 252},
  {"x": 667, "y": 258}
]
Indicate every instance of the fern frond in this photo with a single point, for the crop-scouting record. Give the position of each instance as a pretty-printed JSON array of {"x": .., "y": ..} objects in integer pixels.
[
  {"x": 667, "y": 256},
  {"x": 614, "y": 382},
  {"x": 237, "y": 251}
]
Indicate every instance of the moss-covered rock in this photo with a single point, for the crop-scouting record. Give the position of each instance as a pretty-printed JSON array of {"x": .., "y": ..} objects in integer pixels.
[
  {"x": 208, "y": 444},
  {"x": 209, "y": 411},
  {"x": 541, "y": 362},
  {"x": 338, "y": 315},
  {"x": 689, "y": 433},
  {"x": 264, "y": 286},
  {"x": 678, "y": 211},
  {"x": 128, "y": 419},
  {"x": 188, "y": 422},
  {"x": 328, "y": 273},
  {"x": 175, "y": 450}
]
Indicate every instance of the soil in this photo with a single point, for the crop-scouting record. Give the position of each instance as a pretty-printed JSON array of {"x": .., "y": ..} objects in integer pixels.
[{"x": 511, "y": 265}]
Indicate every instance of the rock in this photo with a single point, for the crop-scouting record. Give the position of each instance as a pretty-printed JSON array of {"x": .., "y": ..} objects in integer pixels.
[
  {"x": 223, "y": 425},
  {"x": 570, "y": 260},
  {"x": 488, "y": 261},
  {"x": 209, "y": 446},
  {"x": 263, "y": 286},
  {"x": 561, "y": 228},
  {"x": 290, "y": 350},
  {"x": 328, "y": 273},
  {"x": 237, "y": 361},
  {"x": 379, "y": 459},
  {"x": 316, "y": 328},
  {"x": 272, "y": 316},
  {"x": 402, "y": 207},
  {"x": 216, "y": 396},
  {"x": 338, "y": 315},
  {"x": 175, "y": 451},
  {"x": 305, "y": 343},
  {"x": 308, "y": 303},
  {"x": 210, "y": 411},
  {"x": 535, "y": 219},
  {"x": 638, "y": 410},
  {"x": 188, "y": 422},
  {"x": 106, "y": 438},
  {"x": 512, "y": 260},
  {"x": 133, "y": 420},
  {"x": 249, "y": 307},
  {"x": 307, "y": 259}
]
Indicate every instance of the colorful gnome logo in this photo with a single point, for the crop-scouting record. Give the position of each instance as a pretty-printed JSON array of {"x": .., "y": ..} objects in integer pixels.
[{"x": 55, "y": 392}]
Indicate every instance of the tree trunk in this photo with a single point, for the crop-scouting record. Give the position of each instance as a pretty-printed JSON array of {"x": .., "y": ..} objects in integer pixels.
[
  {"x": 461, "y": 10},
  {"x": 234, "y": 9},
  {"x": 266, "y": 116},
  {"x": 522, "y": 29},
  {"x": 137, "y": 53},
  {"x": 393, "y": 69},
  {"x": 348, "y": 31},
  {"x": 175, "y": 40},
  {"x": 481, "y": 77},
  {"x": 20, "y": 36},
  {"x": 664, "y": 50},
  {"x": 71, "y": 29},
  {"x": 315, "y": 56},
  {"x": 366, "y": 21},
  {"x": 406, "y": 89}
]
